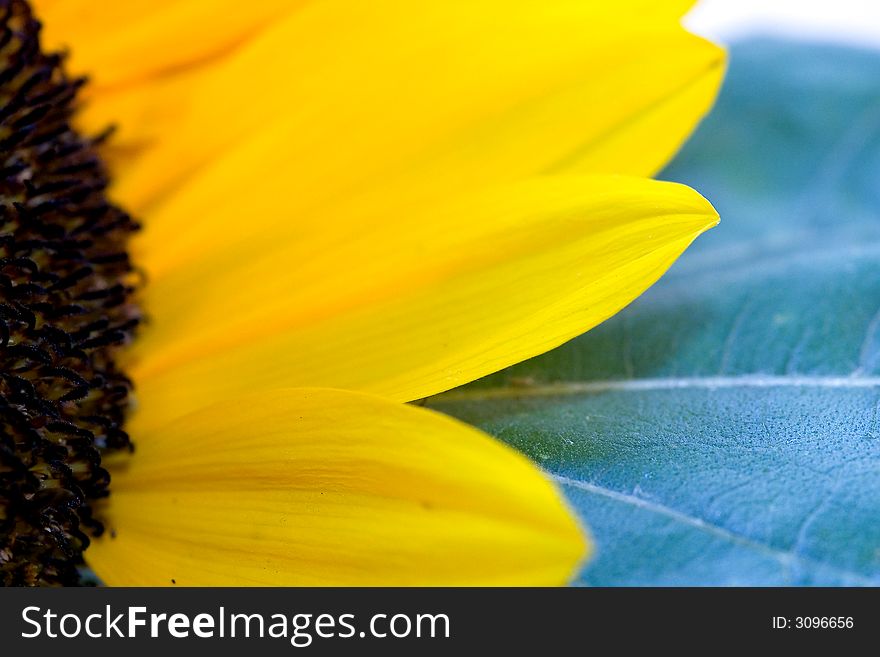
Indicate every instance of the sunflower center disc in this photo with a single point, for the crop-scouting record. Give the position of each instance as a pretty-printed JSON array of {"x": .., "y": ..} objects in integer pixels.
[{"x": 65, "y": 310}]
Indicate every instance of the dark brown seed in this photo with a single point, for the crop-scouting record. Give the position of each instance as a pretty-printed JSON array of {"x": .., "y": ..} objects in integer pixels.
[{"x": 66, "y": 285}]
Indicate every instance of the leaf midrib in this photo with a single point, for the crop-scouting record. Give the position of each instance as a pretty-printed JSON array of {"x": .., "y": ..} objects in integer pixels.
[
  {"x": 571, "y": 388},
  {"x": 567, "y": 388},
  {"x": 784, "y": 557}
]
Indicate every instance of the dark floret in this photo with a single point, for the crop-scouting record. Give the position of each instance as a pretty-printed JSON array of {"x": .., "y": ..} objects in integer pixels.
[{"x": 66, "y": 284}]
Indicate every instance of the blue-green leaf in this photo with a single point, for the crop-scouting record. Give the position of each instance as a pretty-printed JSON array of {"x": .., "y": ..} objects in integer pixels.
[{"x": 723, "y": 430}]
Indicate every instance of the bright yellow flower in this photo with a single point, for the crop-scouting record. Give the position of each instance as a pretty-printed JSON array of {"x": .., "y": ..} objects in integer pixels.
[{"x": 386, "y": 197}]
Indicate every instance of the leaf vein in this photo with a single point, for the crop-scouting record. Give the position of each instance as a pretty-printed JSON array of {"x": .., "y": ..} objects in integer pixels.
[
  {"x": 562, "y": 388},
  {"x": 785, "y": 558}
]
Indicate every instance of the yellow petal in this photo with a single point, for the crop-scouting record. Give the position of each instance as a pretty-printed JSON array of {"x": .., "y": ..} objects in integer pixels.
[
  {"x": 407, "y": 301},
  {"x": 130, "y": 40},
  {"x": 489, "y": 90},
  {"x": 122, "y": 42},
  {"x": 323, "y": 487},
  {"x": 646, "y": 139},
  {"x": 628, "y": 108}
]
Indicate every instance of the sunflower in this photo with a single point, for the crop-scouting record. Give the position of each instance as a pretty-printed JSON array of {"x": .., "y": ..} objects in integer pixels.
[{"x": 346, "y": 206}]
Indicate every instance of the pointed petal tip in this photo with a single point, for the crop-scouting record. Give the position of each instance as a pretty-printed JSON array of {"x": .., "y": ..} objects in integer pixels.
[
  {"x": 711, "y": 218},
  {"x": 689, "y": 202}
]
